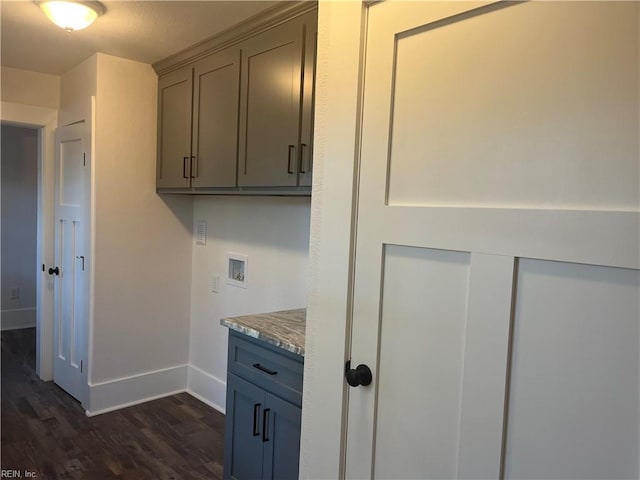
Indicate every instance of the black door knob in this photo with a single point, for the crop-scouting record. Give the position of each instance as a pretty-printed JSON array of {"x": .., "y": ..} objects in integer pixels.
[
  {"x": 361, "y": 375},
  {"x": 54, "y": 271}
]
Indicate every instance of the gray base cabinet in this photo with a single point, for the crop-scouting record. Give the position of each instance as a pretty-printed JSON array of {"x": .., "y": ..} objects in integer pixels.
[
  {"x": 264, "y": 433},
  {"x": 263, "y": 411}
]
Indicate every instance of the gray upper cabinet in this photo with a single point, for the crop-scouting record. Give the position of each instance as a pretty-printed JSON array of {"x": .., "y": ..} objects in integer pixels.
[
  {"x": 270, "y": 107},
  {"x": 308, "y": 101},
  {"x": 198, "y": 124},
  {"x": 215, "y": 120},
  {"x": 235, "y": 113},
  {"x": 174, "y": 129},
  {"x": 272, "y": 98}
]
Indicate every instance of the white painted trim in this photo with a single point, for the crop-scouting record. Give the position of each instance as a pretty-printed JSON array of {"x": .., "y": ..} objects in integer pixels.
[
  {"x": 136, "y": 389},
  {"x": 90, "y": 311},
  {"x": 131, "y": 404},
  {"x": 126, "y": 391},
  {"x": 18, "y": 318},
  {"x": 46, "y": 120},
  {"x": 341, "y": 27},
  {"x": 207, "y": 388},
  {"x": 206, "y": 402}
]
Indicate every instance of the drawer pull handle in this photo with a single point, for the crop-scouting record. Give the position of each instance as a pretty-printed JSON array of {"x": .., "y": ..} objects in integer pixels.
[
  {"x": 266, "y": 370},
  {"x": 256, "y": 422},
  {"x": 265, "y": 425}
]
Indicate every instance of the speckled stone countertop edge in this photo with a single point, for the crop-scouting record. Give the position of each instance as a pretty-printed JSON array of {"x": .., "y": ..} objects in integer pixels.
[{"x": 283, "y": 329}]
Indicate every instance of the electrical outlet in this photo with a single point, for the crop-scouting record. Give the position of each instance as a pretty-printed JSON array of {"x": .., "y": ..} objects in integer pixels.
[
  {"x": 15, "y": 293},
  {"x": 215, "y": 283}
]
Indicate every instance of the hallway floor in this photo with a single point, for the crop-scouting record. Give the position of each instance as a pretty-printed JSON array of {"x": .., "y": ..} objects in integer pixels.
[{"x": 44, "y": 431}]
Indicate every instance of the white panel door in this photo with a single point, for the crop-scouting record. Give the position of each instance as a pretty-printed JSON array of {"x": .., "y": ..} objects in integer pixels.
[
  {"x": 72, "y": 183},
  {"x": 495, "y": 294}
]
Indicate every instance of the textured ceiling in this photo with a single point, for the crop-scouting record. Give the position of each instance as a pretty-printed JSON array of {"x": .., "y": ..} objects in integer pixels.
[{"x": 146, "y": 31}]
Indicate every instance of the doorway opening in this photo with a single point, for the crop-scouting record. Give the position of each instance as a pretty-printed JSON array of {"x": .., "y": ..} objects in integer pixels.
[
  {"x": 42, "y": 121},
  {"x": 19, "y": 218}
]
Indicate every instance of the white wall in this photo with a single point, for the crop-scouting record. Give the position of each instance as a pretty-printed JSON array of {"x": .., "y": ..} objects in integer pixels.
[
  {"x": 139, "y": 337},
  {"x": 30, "y": 88},
  {"x": 142, "y": 241},
  {"x": 144, "y": 267},
  {"x": 336, "y": 114},
  {"x": 274, "y": 233},
  {"x": 77, "y": 86},
  {"x": 19, "y": 229},
  {"x": 42, "y": 114}
]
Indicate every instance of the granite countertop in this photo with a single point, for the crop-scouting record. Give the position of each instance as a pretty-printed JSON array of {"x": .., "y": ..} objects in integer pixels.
[{"x": 284, "y": 329}]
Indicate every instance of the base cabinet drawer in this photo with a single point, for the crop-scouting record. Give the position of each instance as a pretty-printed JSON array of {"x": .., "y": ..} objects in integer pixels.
[
  {"x": 263, "y": 416},
  {"x": 275, "y": 370}
]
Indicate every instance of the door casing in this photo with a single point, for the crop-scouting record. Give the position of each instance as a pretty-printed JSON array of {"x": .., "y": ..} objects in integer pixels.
[{"x": 46, "y": 121}]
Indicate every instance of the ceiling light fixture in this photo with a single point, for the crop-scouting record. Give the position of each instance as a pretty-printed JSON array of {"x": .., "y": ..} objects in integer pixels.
[{"x": 71, "y": 15}]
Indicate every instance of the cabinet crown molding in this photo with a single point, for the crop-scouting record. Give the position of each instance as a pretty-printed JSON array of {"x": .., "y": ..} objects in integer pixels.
[{"x": 271, "y": 17}]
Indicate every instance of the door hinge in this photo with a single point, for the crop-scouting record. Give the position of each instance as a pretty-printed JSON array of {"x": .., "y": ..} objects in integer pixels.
[
  {"x": 84, "y": 159},
  {"x": 80, "y": 366}
]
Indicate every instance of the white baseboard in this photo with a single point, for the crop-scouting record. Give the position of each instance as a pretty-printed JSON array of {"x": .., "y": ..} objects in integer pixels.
[
  {"x": 18, "y": 318},
  {"x": 128, "y": 391},
  {"x": 124, "y": 392},
  {"x": 207, "y": 388}
]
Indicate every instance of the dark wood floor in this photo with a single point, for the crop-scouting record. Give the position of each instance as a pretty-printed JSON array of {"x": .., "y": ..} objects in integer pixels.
[{"x": 45, "y": 431}]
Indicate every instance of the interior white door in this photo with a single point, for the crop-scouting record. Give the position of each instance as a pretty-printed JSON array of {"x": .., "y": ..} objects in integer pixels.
[
  {"x": 72, "y": 184},
  {"x": 496, "y": 289}
]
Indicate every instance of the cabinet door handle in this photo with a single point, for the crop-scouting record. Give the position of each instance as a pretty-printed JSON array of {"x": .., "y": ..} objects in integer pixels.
[
  {"x": 303, "y": 149},
  {"x": 266, "y": 370},
  {"x": 256, "y": 422},
  {"x": 184, "y": 167},
  {"x": 194, "y": 167},
  {"x": 265, "y": 425},
  {"x": 292, "y": 149}
]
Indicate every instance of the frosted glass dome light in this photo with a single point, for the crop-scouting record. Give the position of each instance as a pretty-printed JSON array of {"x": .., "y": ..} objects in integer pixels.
[{"x": 71, "y": 15}]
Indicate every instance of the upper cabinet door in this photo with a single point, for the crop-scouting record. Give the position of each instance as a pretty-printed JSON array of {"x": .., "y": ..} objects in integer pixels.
[
  {"x": 270, "y": 100},
  {"x": 308, "y": 99},
  {"x": 215, "y": 120},
  {"x": 174, "y": 129}
]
